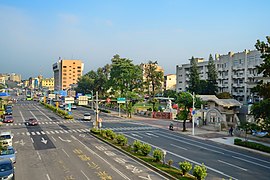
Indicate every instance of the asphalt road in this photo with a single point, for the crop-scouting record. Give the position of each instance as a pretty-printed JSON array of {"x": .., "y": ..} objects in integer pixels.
[
  {"x": 64, "y": 149},
  {"x": 221, "y": 161}
]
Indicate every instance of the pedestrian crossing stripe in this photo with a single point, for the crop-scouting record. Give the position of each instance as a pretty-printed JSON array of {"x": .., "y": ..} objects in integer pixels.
[
  {"x": 60, "y": 122},
  {"x": 132, "y": 128},
  {"x": 38, "y": 133}
]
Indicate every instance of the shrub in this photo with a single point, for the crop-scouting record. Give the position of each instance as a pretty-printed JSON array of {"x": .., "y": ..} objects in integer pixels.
[
  {"x": 137, "y": 145},
  {"x": 95, "y": 130},
  {"x": 68, "y": 117},
  {"x": 170, "y": 162},
  {"x": 200, "y": 172},
  {"x": 157, "y": 155},
  {"x": 110, "y": 134},
  {"x": 146, "y": 149},
  {"x": 185, "y": 167},
  {"x": 121, "y": 139},
  {"x": 252, "y": 145},
  {"x": 103, "y": 133}
]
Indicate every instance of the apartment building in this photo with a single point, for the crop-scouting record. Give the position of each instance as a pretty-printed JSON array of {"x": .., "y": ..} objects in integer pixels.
[
  {"x": 237, "y": 74},
  {"x": 66, "y": 73},
  {"x": 47, "y": 83},
  {"x": 170, "y": 82}
]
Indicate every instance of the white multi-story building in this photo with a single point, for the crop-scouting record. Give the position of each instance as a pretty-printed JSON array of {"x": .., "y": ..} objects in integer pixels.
[{"x": 237, "y": 74}]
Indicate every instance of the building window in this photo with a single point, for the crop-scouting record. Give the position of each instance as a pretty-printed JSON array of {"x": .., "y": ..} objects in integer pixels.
[
  {"x": 78, "y": 70},
  {"x": 64, "y": 66},
  {"x": 79, "y": 67}
]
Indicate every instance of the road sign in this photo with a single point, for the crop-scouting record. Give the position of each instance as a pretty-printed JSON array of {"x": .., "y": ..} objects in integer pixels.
[
  {"x": 89, "y": 95},
  {"x": 69, "y": 100},
  {"x": 83, "y": 100},
  {"x": 121, "y": 100}
]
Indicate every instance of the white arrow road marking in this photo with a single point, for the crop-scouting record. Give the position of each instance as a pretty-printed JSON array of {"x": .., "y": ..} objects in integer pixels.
[
  {"x": 20, "y": 142},
  {"x": 65, "y": 140},
  {"x": 148, "y": 177},
  {"x": 82, "y": 135},
  {"x": 44, "y": 140}
]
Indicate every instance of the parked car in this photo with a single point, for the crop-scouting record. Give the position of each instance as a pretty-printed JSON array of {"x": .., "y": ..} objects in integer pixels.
[
  {"x": 9, "y": 153},
  {"x": 7, "y": 169},
  {"x": 87, "y": 117},
  {"x": 31, "y": 122},
  {"x": 8, "y": 119},
  {"x": 6, "y": 138}
]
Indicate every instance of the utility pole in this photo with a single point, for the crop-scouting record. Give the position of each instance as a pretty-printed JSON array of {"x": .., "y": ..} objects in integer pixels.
[
  {"x": 96, "y": 125},
  {"x": 92, "y": 94}
]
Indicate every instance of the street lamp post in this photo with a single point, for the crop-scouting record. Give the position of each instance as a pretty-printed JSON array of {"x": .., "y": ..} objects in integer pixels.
[{"x": 193, "y": 111}]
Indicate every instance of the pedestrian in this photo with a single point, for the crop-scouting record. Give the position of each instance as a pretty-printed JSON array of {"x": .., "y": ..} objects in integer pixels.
[{"x": 231, "y": 131}]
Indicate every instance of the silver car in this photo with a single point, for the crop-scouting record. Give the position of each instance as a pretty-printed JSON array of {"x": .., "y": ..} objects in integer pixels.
[{"x": 8, "y": 153}]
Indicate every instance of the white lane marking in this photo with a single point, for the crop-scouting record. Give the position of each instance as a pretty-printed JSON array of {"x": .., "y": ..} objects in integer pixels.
[
  {"x": 38, "y": 155},
  {"x": 61, "y": 131},
  {"x": 192, "y": 144},
  {"x": 74, "y": 130},
  {"x": 50, "y": 122},
  {"x": 136, "y": 135},
  {"x": 178, "y": 147},
  {"x": 85, "y": 175},
  {"x": 251, "y": 162},
  {"x": 93, "y": 152},
  {"x": 23, "y": 133},
  {"x": 33, "y": 133},
  {"x": 38, "y": 133},
  {"x": 48, "y": 132},
  {"x": 185, "y": 158},
  {"x": 57, "y": 132},
  {"x": 46, "y": 122},
  {"x": 22, "y": 116},
  {"x": 65, "y": 152},
  {"x": 27, "y": 133},
  {"x": 15, "y": 124},
  {"x": 44, "y": 114},
  {"x": 33, "y": 115},
  {"x": 79, "y": 130},
  {"x": 32, "y": 140},
  {"x": 232, "y": 165},
  {"x": 211, "y": 146},
  {"x": 65, "y": 131},
  {"x": 53, "y": 138},
  {"x": 52, "y": 132},
  {"x": 42, "y": 132},
  {"x": 48, "y": 177},
  {"x": 151, "y": 135}
]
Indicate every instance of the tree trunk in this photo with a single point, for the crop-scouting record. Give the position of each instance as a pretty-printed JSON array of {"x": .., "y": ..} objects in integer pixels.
[{"x": 184, "y": 126}]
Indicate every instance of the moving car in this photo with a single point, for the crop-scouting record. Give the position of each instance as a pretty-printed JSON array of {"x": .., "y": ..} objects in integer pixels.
[
  {"x": 6, "y": 138},
  {"x": 31, "y": 122},
  {"x": 87, "y": 117},
  {"x": 73, "y": 106},
  {"x": 8, "y": 119},
  {"x": 7, "y": 169},
  {"x": 8, "y": 153}
]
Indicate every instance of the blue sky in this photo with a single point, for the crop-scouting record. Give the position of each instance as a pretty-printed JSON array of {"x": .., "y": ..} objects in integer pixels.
[{"x": 35, "y": 33}]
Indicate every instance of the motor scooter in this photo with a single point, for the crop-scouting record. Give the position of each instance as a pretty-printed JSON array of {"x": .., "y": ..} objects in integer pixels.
[{"x": 171, "y": 127}]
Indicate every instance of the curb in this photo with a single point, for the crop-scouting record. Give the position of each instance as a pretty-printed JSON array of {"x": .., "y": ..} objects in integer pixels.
[{"x": 136, "y": 158}]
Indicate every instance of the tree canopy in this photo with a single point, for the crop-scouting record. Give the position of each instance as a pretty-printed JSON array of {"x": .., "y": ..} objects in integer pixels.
[
  {"x": 260, "y": 110},
  {"x": 194, "y": 78}
]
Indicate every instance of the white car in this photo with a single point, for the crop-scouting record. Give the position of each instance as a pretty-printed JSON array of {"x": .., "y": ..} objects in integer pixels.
[
  {"x": 73, "y": 107},
  {"x": 6, "y": 138},
  {"x": 87, "y": 117}
]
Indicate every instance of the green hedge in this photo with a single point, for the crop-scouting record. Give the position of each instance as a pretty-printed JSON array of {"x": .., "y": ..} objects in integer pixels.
[
  {"x": 57, "y": 111},
  {"x": 252, "y": 145}
]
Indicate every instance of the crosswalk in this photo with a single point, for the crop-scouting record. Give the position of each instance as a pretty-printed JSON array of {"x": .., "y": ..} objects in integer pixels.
[
  {"x": 48, "y": 122},
  {"x": 136, "y": 128},
  {"x": 61, "y": 131}
]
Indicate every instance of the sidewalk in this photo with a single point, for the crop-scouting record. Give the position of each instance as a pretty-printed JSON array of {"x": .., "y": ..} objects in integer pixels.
[{"x": 200, "y": 133}]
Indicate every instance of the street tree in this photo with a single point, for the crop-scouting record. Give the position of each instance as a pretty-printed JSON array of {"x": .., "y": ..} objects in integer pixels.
[
  {"x": 170, "y": 94},
  {"x": 212, "y": 77},
  {"x": 124, "y": 75},
  {"x": 185, "y": 103},
  {"x": 260, "y": 110},
  {"x": 194, "y": 78},
  {"x": 153, "y": 80}
]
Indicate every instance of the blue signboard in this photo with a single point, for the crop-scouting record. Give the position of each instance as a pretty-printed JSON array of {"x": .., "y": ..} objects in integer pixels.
[{"x": 78, "y": 94}]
